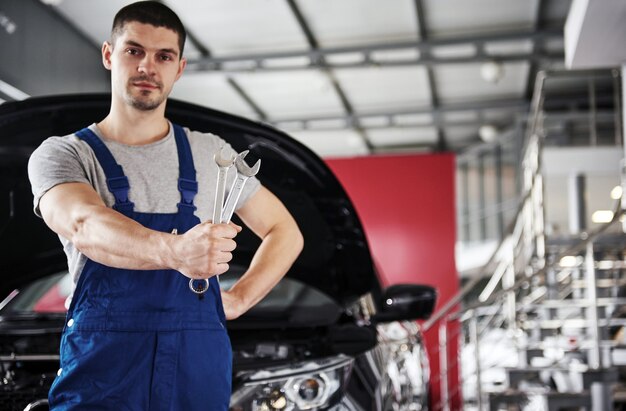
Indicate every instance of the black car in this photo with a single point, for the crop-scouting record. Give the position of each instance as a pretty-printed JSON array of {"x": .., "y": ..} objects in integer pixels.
[{"x": 327, "y": 336}]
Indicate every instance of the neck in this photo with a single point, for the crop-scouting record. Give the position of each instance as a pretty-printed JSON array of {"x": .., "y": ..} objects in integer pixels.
[{"x": 130, "y": 126}]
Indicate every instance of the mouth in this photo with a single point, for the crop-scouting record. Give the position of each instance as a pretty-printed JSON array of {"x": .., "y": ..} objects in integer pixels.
[{"x": 149, "y": 86}]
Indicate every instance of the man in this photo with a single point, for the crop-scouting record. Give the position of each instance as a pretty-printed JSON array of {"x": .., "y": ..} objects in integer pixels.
[{"x": 131, "y": 198}]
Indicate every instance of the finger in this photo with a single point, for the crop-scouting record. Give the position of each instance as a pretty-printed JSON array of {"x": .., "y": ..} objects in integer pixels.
[
  {"x": 223, "y": 230},
  {"x": 226, "y": 244},
  {"x": 237, "y": 227},
  {"x": 222, "y": 268}
]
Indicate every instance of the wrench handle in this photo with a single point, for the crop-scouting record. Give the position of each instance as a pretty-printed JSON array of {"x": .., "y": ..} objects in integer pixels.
[
  {"x": 220, "y": 189},
  {"x": 233, "y": 197}
]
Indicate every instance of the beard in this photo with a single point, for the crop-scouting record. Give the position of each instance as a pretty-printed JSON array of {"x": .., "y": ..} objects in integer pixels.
[{"x": 144, "y": 100}]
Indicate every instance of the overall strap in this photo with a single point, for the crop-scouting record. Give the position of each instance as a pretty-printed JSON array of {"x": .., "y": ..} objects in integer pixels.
[
  {"x": 117, "y": 182},
  {"x": 187, "y": 184}
]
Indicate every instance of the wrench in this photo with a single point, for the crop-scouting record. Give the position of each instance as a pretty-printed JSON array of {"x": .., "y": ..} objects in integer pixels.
[
  {"x": 224, "y": 163},
  {"x": 244, "y": 172}
]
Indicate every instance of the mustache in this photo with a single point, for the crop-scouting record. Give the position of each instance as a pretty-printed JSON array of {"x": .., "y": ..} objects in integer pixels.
[{"x": 144, "y": 79}]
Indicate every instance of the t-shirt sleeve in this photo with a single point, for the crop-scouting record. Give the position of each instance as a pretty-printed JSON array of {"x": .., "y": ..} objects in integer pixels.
[{"x": 54, "y": 162}]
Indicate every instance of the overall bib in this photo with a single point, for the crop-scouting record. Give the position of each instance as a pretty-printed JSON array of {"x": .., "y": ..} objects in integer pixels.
[{"x": 141, "y": 339}]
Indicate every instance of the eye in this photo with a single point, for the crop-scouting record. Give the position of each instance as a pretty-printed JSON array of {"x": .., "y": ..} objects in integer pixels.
[
  {"x": 166, "y": 57},
  {"x": 133, "y": 51}
]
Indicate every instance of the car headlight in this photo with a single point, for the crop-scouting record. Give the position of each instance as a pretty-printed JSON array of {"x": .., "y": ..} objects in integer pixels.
[{"x": 303, "y": 386}]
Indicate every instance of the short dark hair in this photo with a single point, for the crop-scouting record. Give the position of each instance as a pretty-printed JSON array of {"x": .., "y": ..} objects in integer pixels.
[{"x": 149, "y": 12}]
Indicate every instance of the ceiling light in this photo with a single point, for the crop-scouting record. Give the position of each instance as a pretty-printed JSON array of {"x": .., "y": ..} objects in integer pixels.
[
  {"x": 602, "y": 216},
  {"x": 570, "y": 261},
  {"x": 492, "y": 71},
  {"x": 14, "y": 93},
  {"x": 488, "y": 133},
  {"x": 616, "y": 193}
]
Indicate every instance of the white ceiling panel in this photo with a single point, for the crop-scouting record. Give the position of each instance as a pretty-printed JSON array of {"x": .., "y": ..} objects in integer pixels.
[
  {"x": 82, "y": 14},
  {"x": 379, "y": 89},
  {"x": 503, "y": 48},
  {"x": 454, "y": 17},
  {"x": 461, "y": 116},
  {"x": 230, "y": 27},
  {"x": 413, "y": 119},
  {"x": 395, "y": 55},
  {"x": 332, "y": 143},
  {"x": 457, "y": 83},
  {"x": 459, "y": 50},
  {"x": 353, "y": 22},
  {"x": 285, "y": 95},
  {"x": 211, "y": 90},
  {"x": 402, "y": 136},
  {"x": 457, "y": 134},
  {"x": 498, "y": 116}
]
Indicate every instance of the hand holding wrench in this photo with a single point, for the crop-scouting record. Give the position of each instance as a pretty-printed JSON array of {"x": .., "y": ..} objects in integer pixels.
[
  {"x": 222, "y": 213},
  {"x": 224, "y": 163}
]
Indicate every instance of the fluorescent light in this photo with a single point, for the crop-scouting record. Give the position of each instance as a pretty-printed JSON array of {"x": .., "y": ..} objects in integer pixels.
[
  {"x": 605, "y": 264},
  {"x": 570, "y": 261},
  {"x": 12, "y": 92},
  {"x": 616, "y": 193},
  {"x": 602, "y": 216}
]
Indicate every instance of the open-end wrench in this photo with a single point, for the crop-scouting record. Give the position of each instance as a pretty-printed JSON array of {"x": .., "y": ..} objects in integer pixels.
[
  {"x": 243, "y": 174},
  {"x": 224, "y": 163}
]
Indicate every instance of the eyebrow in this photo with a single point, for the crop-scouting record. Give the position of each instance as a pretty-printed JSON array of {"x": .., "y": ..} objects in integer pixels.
[{"x": 135, "y": 44}]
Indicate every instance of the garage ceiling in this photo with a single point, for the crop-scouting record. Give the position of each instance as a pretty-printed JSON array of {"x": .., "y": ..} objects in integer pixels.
[{"x": 357, "y": 77}]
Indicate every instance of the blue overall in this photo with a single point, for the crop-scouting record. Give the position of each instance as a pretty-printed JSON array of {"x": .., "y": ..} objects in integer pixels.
[{"x": 141, "y": 339}]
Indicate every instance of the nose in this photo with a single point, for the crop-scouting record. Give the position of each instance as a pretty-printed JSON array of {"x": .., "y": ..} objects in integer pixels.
[{"x": 146, "y": 65}]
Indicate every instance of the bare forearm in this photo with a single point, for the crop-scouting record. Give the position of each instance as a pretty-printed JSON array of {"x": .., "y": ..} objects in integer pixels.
[
  {"x": 76, "y": 212},
  {"x": 274, "y": 257},
  {"x": 110, "y": 238}
]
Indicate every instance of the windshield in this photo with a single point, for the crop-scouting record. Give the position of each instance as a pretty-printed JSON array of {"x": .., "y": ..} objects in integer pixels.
[{"x": 290, "y": 302}]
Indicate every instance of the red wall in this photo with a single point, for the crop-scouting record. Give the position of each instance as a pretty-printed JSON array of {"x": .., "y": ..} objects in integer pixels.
[{"x": 406, "y": 204}]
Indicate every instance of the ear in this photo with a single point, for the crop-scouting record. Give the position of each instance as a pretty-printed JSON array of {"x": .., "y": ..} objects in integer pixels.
[
  {"x": 181, "y": 67},
  {"x": 107, "y": 50}
]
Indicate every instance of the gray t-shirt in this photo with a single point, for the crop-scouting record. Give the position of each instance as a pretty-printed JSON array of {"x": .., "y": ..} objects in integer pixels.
[{"x": 152, "y": 172}]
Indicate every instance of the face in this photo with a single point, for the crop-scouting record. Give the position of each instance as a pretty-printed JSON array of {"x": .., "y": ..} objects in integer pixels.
[{"x": 145, "y": 63}]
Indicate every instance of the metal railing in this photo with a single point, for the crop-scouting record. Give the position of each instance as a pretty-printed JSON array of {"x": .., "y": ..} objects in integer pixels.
[
  {"x": 516, "y": 266},
  {"x": 490, "y": 174}
]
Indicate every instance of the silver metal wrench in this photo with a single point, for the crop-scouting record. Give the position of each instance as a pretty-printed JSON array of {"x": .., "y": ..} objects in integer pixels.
[
  {"x": 244, "y": 172},
  {"x": 224, "y": 163}
]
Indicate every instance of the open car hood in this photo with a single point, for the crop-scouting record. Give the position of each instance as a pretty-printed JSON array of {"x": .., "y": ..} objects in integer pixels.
[{"x": 336, "y": 258}]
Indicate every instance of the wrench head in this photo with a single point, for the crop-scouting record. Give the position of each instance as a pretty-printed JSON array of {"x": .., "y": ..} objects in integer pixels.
[
  {"x": 243, "y": 168},
  {"x": 222, "y": 159}
]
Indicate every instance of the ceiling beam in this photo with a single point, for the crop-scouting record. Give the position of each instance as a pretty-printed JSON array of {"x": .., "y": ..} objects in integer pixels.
[
  {"x": 394, "y": 118},
  {"x": 318, "y": 57},
  {"x": 251, "y": 103},
  {"x": 430, "y": 76},
  {"x": 536, "y": 48},
  {"x": 321, "y": 62}
]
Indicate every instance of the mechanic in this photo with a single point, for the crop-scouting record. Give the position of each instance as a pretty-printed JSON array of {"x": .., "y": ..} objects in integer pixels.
[{"x": 131, "y": 198}]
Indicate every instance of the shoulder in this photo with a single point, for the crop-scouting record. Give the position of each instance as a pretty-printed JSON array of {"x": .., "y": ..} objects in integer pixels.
[
  {"x": 61, "y": 146},
  {"x": 198, "y": 137},
  {"x": 207, "y": 142},
  {"x": 61, "y": 151}
]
